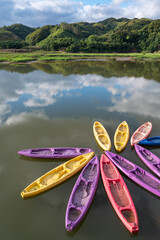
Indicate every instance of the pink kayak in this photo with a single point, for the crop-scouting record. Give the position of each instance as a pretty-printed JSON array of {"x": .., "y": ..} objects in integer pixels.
[
  {"x": 118, "y": 194},
  {"x": 141, "y": 133}
]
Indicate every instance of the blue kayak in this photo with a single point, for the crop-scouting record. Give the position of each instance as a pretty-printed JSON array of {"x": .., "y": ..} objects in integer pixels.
[{"x": 152, "y": 141}]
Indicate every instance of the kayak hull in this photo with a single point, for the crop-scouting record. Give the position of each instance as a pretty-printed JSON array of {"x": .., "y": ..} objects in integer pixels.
[
  {"x": 121, "y": 136},
  {"x": 141, "y": 133},
  {"x": 102, "y": 137},
  {"x": 82, "y": 194},
  {"x": 136, "y": 173},
  {"x": 152, "y": 141},
  {"x": 118, "y": 194},
  {"x": 63, "y": 152},
  {"x": 57, "y": 175},
  {"x": 150, "y": 159}
]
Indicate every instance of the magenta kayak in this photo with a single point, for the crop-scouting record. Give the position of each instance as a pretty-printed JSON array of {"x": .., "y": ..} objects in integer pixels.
[
  {"x": 150, "y": 159},
  {"x": 82, "y": 194},
  {"x": 60, "y": 152}
]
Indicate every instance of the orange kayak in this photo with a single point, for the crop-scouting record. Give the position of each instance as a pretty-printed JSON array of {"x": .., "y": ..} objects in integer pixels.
[{"x": 118, "y": 194}]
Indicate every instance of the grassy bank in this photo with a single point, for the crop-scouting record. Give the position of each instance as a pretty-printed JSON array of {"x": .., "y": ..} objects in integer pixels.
[{"x": 12, "y": 57}]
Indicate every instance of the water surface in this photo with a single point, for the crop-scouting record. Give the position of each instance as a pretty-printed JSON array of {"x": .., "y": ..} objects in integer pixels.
[{"x": 54, "y": 105}]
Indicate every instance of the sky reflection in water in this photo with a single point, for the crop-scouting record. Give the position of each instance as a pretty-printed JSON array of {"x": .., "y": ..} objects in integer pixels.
[{"x": 55, "y": 95}]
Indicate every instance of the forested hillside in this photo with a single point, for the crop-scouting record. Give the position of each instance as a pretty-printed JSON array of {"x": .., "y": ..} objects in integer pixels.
[
  {"x": 14, "y": 36},
  {"x": 110, "y": 35}
]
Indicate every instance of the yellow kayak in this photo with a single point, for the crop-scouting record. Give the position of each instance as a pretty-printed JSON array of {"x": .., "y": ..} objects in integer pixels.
[
  {"x": 57, "y": 175},
  {"x": 121, "y": 136},
  {"x": 101, "y": 136}
]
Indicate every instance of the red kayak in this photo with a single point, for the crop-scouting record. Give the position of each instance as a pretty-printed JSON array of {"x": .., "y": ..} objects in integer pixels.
[{"x": 118, "y": 194}]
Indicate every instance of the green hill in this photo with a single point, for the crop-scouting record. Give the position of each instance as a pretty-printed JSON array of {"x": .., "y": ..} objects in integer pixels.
[
  {"x": 109, "y": 35},
  {"x": 13, "y": 36},
  {"x": 15, "y": 31},
  {"x": 20, "y": 30},
  {"x": 7, "y": 35},
  {"x": 39, "y": 34}
]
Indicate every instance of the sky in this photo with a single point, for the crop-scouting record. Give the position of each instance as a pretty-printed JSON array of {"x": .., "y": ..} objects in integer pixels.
[{"x": 37, "y": 13}]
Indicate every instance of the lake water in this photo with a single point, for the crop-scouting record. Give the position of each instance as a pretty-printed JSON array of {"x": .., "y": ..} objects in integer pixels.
[{"x": 55, "y": 105}]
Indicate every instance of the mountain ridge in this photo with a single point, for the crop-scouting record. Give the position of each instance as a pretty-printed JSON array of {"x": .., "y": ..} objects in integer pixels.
[{"x": 109, "y": 35}]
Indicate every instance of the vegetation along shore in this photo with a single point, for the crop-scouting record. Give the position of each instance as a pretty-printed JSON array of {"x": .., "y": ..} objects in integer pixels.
[
  {"x": 45, "y": 56},
  {"x": 111, "y": 39}
]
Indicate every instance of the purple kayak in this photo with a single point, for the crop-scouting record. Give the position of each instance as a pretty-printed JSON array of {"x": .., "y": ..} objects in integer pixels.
[
  {"x": 82, "y": 194},
  {"x": 60, "y": 152},
  {"x": 137, "y": 174},
  {"x": 151, "y": 160}
]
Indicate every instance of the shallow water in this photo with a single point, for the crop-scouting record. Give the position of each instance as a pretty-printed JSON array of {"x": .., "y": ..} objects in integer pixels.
[{"x": 54, "y": 105}]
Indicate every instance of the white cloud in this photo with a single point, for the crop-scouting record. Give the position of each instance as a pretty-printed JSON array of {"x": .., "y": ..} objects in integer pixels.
[
  {"x": 143, "y": 8},
  {"x": 59, "y": 6},
  {"x": 45, "y": 93},
  {"x": 22, "y": 117},
  {"x": 94, "y": 13},
  {"x": 117, "y": 2},
  {"x": 41, "y": 12},
  {"x": 134, "y": 95},
  {"x": 38, "y": 13},
  {"x": 4, "y": 109},
  {"x": 122, "y": 8},
  {"x": 42, "y": 94}
]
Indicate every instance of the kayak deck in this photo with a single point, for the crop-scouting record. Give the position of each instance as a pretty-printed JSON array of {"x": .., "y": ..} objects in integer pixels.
[
  {"x": 57, "y": 175},
  {"x": 65, "y": 152},
  {"x": 150, "y": 159},
  {"x": 152, "y": 141},
  {"x": 141, "y": 133},
  {"x": 82, "y": 194},
  {"x": 101, "y": 135},
  {"x": 118, "y": 194},
  {"x": 121, "y": 136}
]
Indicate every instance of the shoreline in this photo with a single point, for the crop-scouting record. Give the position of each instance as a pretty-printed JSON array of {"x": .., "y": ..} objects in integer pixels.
[{"x": 43, "y": 56}]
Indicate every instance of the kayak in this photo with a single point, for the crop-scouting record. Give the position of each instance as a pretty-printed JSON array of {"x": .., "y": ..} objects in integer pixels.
[
  {"x": 118, "y": 194},
  {"x": 63, "y": 152},
  {"x": 150, "y": 159},
  {"x": 82, "y": 194},
  {"x": 102, "y": 137},
  {"x": 57, "y": 175},
  {"x": 135, "y": 173},
  {"x": 121, "y": 136},
  {"x": 152, "y": 141},
  {"x": 141, "y": 133}
]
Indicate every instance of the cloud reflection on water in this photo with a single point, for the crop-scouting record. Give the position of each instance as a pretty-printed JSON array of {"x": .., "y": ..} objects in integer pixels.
[{"x": 38, "y": 90}]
